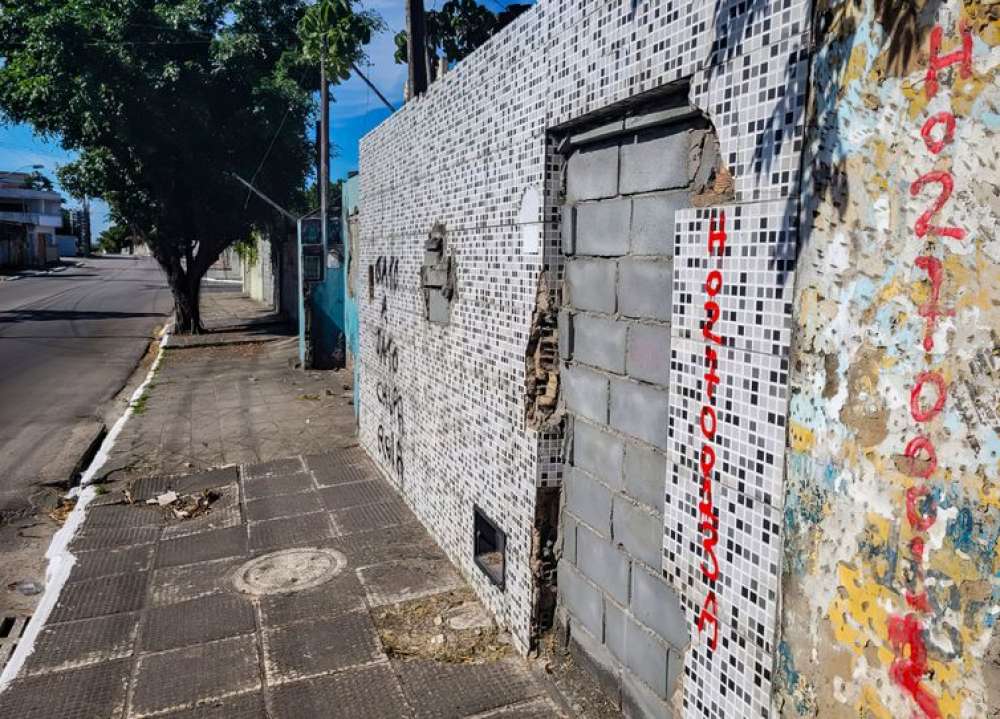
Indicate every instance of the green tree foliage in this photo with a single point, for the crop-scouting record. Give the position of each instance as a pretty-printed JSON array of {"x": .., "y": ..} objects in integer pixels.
[
  {"x": 335, "y": 32},
  {"x": 113, "y": 239},
  {"x": 162, "y": 100},
  {"x": 458, "y": 28}
]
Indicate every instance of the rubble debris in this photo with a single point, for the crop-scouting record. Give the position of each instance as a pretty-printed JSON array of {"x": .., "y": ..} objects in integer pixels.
[
  {"x": 164, "y": 499},
  {"x": 450, "y": 627},
  {"x": 62, "y": 511},
  {"x": 26, "y": 587}
]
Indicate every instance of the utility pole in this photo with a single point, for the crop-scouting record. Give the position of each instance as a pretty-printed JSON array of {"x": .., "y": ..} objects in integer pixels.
[
  {"x": 324, "y": 146},
  {"x": 416, "y": 46}
]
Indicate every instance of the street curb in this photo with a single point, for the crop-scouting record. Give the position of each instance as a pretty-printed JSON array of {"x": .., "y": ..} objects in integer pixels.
[{"x": 60, "y": 559}]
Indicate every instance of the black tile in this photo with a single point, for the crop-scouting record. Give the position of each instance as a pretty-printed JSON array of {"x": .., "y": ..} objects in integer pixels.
[
  {"x": 370, "y": 692},
  {"x": 88, "y": 693},
  {"x": 216, "y": 616},
  {"x": 201, "y": 547}
]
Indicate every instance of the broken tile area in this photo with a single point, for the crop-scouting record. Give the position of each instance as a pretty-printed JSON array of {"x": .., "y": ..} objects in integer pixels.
[{"x": 451, "y": 627}]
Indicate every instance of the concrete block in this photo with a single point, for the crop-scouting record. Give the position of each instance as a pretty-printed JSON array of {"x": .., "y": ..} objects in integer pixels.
[
  {"x": 646, "y": 657},
  {"x": 603, "y": 564},
  {"x": 566, "y": 334},
  {"x": 592, "y": 172},
  {"x": 600, "y": 342},
  {"x": 638, "y": 530},
  {"x": 614, "y": 629},
  {"x": 645, "y": 475},
  {"x": 596, "y": 660},
  {"x": 582, "y": 600},
  {"x": 567, "y": 531},
  {"x": 639, "y": 701},
  {"x": 645, "y": 288},
  {"x": 586, "y": 392},
  {"x": 589, "y": 500},
  {"x": 567, "y": 216},
  {"x": 652, "y": 229},
  {"x": 602, "y": 228},
  {"x": 656, "y": 604},
  {"x": 648, "y": 355},
  {"x": 438, "y": 308},
  {"x": 599, "y": 453},
  {"x": 640, "y": 410},
  {"x": 590, "y": 284},
  {"x": 655, "y": 159}
]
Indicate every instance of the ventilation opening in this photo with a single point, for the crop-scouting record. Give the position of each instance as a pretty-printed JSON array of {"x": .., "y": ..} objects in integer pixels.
[{"x": 490, "y": 548}]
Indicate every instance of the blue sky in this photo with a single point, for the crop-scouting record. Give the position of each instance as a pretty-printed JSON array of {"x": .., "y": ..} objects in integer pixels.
[{"x": 354, "y": 112}]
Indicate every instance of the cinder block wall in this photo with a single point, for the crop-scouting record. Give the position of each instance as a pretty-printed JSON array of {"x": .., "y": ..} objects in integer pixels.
[{"x": 623, "y": 619}]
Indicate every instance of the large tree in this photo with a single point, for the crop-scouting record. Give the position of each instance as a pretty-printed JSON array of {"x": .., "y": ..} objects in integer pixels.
[{"x": 163, "y": 100}]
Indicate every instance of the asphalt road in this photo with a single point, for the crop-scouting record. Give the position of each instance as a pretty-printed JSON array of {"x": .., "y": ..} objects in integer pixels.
[{"x": 68, "y": 342}]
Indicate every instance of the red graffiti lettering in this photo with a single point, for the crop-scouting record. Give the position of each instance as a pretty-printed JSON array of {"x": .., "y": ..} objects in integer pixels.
[
  {"x": 707, "y": 460},
  {"x": 717, "y": 235},
  {"x": 910, "y": 666},
  {"x": 961, "y": 57},
  {"x": 920, "y": 518},
  {"x": 709, "y": 539},
  {"x": 709, "y": 609},
  {"x": 714, "y": 314},
  {"x": 924, "y": 226},
  {"x": 931, "y": 310},
  {"x": 926, "y": 132},
  {"x": 713, "y": 283},
  {"x": 708, "y": 429},
  {"x": 711, "y": 373},
  {"x": 919, "y": 413},
  {"x": 918, "y": 466}
]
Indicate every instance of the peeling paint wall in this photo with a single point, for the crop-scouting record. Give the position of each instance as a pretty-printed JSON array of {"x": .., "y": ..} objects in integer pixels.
[{"x": 891, "y": 585}]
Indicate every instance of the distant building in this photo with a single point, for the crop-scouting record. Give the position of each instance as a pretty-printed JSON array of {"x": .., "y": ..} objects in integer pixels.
[{"x": 29, "y": 219}]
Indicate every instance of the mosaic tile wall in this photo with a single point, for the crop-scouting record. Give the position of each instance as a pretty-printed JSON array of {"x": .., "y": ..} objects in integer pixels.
[{"x": 449, "y": 398}]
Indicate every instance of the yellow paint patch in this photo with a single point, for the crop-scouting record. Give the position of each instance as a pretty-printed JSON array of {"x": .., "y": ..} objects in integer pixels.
[
  {"x": 856, "y": 614},
  {"x": 871, "y": 706},
  {"x": 800, "y": 436},
  {"x": 946, "y": 562}
]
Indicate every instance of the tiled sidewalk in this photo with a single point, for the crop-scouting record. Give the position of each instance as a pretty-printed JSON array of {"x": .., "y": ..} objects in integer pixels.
[{"x": 151, "y": 624}]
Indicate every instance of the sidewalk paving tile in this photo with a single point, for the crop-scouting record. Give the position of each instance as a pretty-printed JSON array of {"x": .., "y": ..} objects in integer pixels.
[
  {"x": 275, "y": 467},
  {"x": 373, "y": 516},
  {"x": 97, "y": 597},
  {"x": 371, "y": 692},
  {"x": 283, "y": 505},
  {"x": 343, "y": 496},
  {"x": 303, "y": 531},
  {"x": 87, "y": 641},
  {"x": 401, "y": 581},
  {"x": 240, "y": 706},
  {"x": 124, "y": 516},
  {"x": 320, "y": 646},
  {"x": 180, "y": 678},
  {"x": 95, "y": 691},
  {"x": 340, "y": 595},
  {"x": 201, "y": 547},
  {"x": 273, "y": 486},
  {"x": 437, "y": 690},
  {"x": 408, "y": 541},
  {"x": 216, "y": 616},
  {"x": 92, "y": 565},
  {"x": 92, "y": 539},
  {"x": 170, "y": 585}
]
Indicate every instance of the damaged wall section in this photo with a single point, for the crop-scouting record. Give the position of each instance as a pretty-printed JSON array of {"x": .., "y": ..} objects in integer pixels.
[
  {"x": 892, "y": 572},
  {"x": 622, "y": 189}
]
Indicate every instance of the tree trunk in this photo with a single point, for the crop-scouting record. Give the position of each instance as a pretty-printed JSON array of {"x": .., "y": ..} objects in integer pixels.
[{"x": 186, "y": 290}]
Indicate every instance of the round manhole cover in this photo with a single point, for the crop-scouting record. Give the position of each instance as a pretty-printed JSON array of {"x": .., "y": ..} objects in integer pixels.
[{"x": 291, "y": 570}]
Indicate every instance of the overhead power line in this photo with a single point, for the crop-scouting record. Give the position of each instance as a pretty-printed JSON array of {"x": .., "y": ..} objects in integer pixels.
[{"x": 369, "y": 83}]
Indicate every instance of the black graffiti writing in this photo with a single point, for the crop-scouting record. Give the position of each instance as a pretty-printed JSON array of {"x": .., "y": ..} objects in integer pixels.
[
  {"x": 387, "y": 272},
  {"x": 386, "y": 350},
  {"x": 391, "y": 449}
]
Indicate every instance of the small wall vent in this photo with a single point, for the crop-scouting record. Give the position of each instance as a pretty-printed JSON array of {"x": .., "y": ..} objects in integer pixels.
[{"x": 490, "y": 548}]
